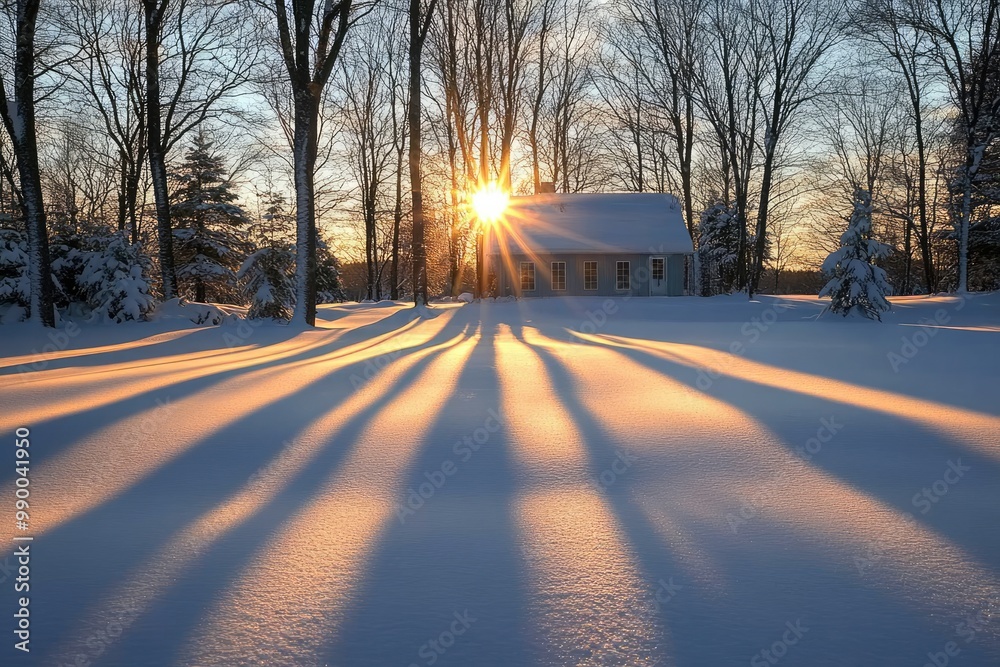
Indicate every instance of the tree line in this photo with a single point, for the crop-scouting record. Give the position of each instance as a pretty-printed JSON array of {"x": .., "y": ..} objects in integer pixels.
[{"x": 368, "y": 125}]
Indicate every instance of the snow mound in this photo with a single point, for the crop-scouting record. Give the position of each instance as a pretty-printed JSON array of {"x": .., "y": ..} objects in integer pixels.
[
  {"x": 14, "y": 313},
  {"x": 465, "y": 297},
  {"x": 198, "y": 313}
]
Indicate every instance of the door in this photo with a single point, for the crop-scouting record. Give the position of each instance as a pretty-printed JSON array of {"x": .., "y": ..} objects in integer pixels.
[{"x": 657, "y": 276}]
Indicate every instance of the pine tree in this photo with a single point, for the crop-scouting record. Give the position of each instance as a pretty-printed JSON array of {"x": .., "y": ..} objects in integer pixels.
[
  {"x": 718, "y": 248},
  {"x": 268, "y": 274},
  {"x": 209, "y": 226},
  {"x": 329, "y": 288},
  {"x": 857, "y": 284}
]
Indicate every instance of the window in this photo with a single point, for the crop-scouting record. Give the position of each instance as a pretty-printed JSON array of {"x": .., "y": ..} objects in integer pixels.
[
  {"x": 590, "y": 275},
  {"x": 622, "y": 277},
  {"x": 558, "y": 275},
  {"x": 527, "y": 276},
  {"x": 658, "y": 269}
]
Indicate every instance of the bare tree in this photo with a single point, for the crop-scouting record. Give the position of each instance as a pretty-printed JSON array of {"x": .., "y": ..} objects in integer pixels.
[
  {"x": 17, "y": 111},
  {"x": 672, "y": 30},
  {"x": 966, "y": 39},
  {"x": 420, "y": 21},
  {"x": 883, "y": 23},
  {"x": 108, "y": 72},
  {"x": 795, "y": 35},
  {"x": 371, "y": 138},
  {"x": 310, "y": 38}
]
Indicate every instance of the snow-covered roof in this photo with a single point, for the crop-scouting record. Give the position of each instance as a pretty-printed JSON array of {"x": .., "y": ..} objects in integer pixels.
[{"x": 592, "y": 223}]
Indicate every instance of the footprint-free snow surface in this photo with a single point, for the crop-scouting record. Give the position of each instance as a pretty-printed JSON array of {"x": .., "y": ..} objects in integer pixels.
[{"x": 545, "y": 482}]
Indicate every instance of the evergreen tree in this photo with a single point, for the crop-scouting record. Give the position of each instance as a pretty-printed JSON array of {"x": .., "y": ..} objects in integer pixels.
[
  {"x": 718, "y": 248},
  {"x": 209, "y": 226},
  {"x": 268, "y": 274},
  {"x": 857, "y": 284},
  {"x": 329, "y": 288},
  {"x": 15, "y": 287}
]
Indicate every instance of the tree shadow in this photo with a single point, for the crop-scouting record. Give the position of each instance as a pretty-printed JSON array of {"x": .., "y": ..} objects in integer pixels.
[
  {"x": 76, "y": 426},
  {"x": 456, "y": 552},
  {"x": 788, "y": 582},
  {"x": 140, "y": 521}
]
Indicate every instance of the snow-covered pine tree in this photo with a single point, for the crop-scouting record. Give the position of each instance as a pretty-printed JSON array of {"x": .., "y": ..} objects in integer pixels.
[
  {"x": 718, "y": 248},
  {"x": 857, "y": 284},
  {"x": 116, "y": 280},
  {"x": 268, "y": 274},
  {"x": 329, "y": 288},
  {"x": 208, "y": 226}
]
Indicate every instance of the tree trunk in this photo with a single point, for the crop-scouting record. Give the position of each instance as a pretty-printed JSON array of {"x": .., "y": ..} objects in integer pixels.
[
  {"x": 963, "y": 226},
  {"x": 154, "y": 10},
  {"x": 418, "y": 32},
  {"x": 304, "y": 148},
  {"x": 19, "y": 119},
  {"x": 397, "y": 218}
]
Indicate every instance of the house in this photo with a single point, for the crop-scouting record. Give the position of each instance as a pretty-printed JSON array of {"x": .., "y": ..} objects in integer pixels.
[{"x": 602, "y": 244}]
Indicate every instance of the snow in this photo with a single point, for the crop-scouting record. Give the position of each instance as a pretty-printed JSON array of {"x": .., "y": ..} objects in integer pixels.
[
  {"x": 198, "y": 313},
  {"x": 592, "y": 223},
  {"x": 563, "y": 481}
]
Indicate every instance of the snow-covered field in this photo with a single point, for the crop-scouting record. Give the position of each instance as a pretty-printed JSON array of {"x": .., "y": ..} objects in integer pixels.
[{"x": 550, "y": 482}]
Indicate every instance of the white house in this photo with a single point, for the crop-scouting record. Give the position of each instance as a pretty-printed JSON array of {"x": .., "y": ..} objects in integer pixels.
[{"x": 604, "y": 244}]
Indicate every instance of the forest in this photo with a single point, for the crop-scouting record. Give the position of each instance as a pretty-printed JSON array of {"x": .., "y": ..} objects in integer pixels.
[{"x": 286, "y": 153}]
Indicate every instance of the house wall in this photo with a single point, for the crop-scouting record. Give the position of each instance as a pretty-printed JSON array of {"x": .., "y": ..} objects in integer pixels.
[{"x": 507, "y": 281}]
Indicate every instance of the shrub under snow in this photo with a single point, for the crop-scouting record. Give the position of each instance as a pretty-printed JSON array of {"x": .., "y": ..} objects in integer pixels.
[{"x": 116, "y": 281}]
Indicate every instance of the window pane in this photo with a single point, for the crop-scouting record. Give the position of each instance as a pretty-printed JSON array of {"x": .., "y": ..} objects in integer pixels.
[
  {"x": 558, "y": 275},
  {"x": 657, "y": 268},
  {"x": 527, "y": 276},
  {"x": 622, "y": 276},
  {"x": 590, "y": 275}
]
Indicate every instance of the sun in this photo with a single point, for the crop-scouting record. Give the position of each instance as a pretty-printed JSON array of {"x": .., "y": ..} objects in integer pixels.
[{"x": 489, "y": 203}]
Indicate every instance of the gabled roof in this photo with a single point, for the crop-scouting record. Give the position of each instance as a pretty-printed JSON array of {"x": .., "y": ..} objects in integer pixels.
[{"x": 624, "y": 223}]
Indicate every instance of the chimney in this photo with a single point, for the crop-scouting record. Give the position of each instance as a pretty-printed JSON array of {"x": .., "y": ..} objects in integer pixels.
[{"x": 546, "y": 188}]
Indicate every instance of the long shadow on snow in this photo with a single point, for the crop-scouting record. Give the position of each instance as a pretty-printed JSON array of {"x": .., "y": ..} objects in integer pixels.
[
  {"x": 744, "y": 614},
  {"x": 128, "y": 530},
  {"x": 62, "y": 432},
  {"x": 895, "y": 477},
  {"x": 772, "y": 348},
  {"x": 456, "y": 552}
]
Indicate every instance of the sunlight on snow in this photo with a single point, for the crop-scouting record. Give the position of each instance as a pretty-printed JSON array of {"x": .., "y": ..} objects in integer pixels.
[
  {"x": 145, "y": 585},
  {"x": 591, "y": 604},
  {"x": 291, "y": 599},
  {"x": 974, "y": 429},
  {"x": 816, "y": 508},
  {"x": 114, "y": 458}
]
